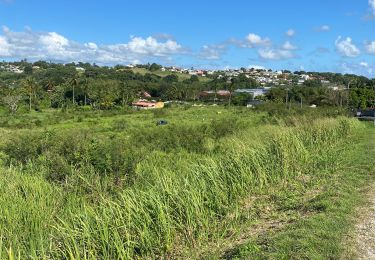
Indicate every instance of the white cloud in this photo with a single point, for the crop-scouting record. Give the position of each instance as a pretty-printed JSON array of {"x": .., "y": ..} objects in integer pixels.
[
  {"x": 346, "y": 47},
  {"x": 252, "y": 40},
  {"x": 54, "y": 40},
  {"x": 275, "y": 54},
  {"x": 288, "y": 46},
  {"x": 257, "y": 67},
  {"x": 286, "y": 51},
  {"x": 323, "y": 28},
  {"x": 212, "y": 52},
  {"x": 255, "y": 39},
  {"x": 290, "y": 33},
  {"x": 370, "y": 47},
  {"x": 53, "y": 46},
  {"x": 91, "y": 45},
  {"x": 151, "y": 46},
  {"x": 372, "y": 6},
  {"x": 371, "y": 14},
  {"x": 362, "y": 68},
  {"x": 4, "y": 47},
  {"x": 238, "y": 43}
]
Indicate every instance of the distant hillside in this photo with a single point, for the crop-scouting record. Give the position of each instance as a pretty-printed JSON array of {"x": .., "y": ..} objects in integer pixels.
[{"x": 181, "y": 76}]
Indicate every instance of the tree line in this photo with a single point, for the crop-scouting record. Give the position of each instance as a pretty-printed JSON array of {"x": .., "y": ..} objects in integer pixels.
[{"x": 52, "y": 85}]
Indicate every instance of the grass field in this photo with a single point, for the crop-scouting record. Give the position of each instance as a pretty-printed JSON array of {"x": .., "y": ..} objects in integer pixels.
[
  {"x": 215, "y": 182},
  {"x": 308, "y": 218}
]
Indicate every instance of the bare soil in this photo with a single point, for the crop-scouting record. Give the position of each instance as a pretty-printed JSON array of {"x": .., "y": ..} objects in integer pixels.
[{"x": 366, "y": 229}]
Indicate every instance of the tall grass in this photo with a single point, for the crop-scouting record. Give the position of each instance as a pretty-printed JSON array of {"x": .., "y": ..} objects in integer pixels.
[{"x": 176, "y": 196}]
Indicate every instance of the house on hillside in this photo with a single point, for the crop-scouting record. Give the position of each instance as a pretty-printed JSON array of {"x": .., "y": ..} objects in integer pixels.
[{"x": 199, "y": 72}]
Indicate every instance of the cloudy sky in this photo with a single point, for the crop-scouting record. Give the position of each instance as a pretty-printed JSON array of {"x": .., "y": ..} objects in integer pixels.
[{"x": 313, "y": 35}]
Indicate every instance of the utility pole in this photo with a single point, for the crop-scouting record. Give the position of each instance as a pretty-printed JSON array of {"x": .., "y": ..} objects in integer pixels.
[
  {"x": 349, "y": 91},
  {"x": 287, "y": 97},
  {"x": 340, "y": 99},
  {"x": 73, "y": 96}
]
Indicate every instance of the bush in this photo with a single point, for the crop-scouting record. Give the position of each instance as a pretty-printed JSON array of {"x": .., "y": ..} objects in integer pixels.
[
  {"x": 224, "y": 127},
  {"x": 58, "y": 168},
  {"x": 22, "y": 148}
]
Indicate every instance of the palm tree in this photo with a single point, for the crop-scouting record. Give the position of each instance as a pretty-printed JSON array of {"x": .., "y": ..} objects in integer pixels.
[
  {"x": 74, "y": 82},
  {"x": 215, "y": 87},
  {"x": 49, "y": 88},
  {"x": 85, "y": 87},
  {"x": 231, "y": 89},
  {"x": 30, "y": 86}
]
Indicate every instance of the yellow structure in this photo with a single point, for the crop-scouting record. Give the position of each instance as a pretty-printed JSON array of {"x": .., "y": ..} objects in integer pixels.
[{"x": 159, "y": 105}]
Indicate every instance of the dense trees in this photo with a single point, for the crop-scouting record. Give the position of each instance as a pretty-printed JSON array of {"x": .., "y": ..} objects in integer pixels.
[
  {"x": 362, "y": 97},
  {"x": 154, "y": 67},
  {"x": 321, "y": 96}
]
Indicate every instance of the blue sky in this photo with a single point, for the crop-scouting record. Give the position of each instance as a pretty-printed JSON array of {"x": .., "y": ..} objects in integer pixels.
[{"x": 320, "y": 35}]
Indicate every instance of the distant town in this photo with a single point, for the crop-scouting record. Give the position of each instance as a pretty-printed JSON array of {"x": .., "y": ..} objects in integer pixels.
[{"x": 264, "y": 77}]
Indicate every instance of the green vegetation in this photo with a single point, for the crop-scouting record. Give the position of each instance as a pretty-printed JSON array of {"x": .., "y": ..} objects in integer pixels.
[
  {"x": 84, "y": 176},
  {"x": 314, "y": 217},
  {"x": 40, "y": 85},
  {"x": 112, "y": 185}
]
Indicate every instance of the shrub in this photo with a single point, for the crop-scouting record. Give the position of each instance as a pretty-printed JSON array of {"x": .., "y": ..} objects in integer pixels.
[
  {"x": 22, "y": 148},
  {"x": 58, "y": 168},
  {"x": 224, "y": 127}
]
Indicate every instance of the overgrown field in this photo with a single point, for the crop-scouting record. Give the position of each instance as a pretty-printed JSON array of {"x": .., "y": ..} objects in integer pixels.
[{"x": 116, "y": 186}]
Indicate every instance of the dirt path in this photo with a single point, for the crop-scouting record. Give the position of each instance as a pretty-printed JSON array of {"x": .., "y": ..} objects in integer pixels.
[{"x": 366, "y": 229}]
